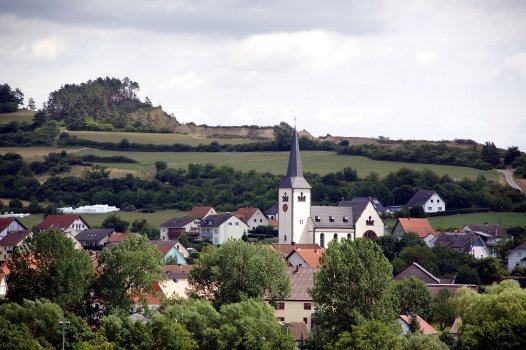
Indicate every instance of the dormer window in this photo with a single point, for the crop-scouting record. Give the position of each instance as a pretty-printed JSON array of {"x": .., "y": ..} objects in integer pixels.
[
  {"x": 345, "y": 219},
  {"x": 331, "y": 218},
  {"x": 317, "y": 218}
]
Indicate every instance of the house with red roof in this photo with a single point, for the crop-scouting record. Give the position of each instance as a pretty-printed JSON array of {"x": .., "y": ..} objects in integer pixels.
[
  {"x": 425, "y": 328},
  {"x": 308, "y": 257},
  {"x": 253, "y": 217},
  {"x": 201, "y": 212},
  {"x": 72, "y": 224},
  {"x": 10, "y": 241},
  {"x": 169, "y": 250},
  {"x": 421, "y": 226},
  {"x": 10, "y": 225}
]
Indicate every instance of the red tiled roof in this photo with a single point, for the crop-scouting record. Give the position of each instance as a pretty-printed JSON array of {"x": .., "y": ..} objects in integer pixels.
[
  {"x": 421, "y": 227},
  {"x": 59, "y": 222},
  {"x": 273, "y": 223},
  {"x": 117, "y": 237},
  {"x": 299, "y": 330},
  {"x": 199, "y": 212},
  {"x": 301, "y": 280},
  {"x": 178, "y": 268},
  {"x": 310, "y": 256},
  {"x": 5, "y": 222},
  {"x": 425, "y": 327},
  {"x": 14, "y": 238},
  {"x": 286, "y": 248},
  {"x": 150, "y": 298},
  {"x": 244, "y": 214}
]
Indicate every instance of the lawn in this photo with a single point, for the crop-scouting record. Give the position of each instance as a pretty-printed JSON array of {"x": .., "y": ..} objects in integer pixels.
[
  {"x": 506, "y": 219},
  {"x": 155, "y": 219},
  {"x": 153, "y": 138},
  {"x": 19, "y": 116}
]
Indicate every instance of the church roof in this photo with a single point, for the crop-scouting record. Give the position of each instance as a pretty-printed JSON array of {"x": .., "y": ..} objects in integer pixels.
[
  {"x": 326, "y": 216},
  {"x": 294, "y": 177}
]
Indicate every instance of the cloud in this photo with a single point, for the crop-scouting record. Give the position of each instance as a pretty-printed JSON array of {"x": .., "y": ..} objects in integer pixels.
[
  {"x": 517, "y": 63},
  {"x": 425, "y": 57},
  {"x": 42, "y": 49}
]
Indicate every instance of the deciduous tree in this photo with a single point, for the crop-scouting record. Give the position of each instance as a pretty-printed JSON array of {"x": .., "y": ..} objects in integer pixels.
[{"x": 414, "y": 297}]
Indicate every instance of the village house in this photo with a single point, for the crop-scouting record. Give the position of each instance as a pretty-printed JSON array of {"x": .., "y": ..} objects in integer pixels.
[
  {"x": 173, "y": 228},
  {"x": 10, "y": 225},
  {"x": 94, "y": 238},
  {"x": 299, "y": 222},
  {"x": 253, "y": 217},
  {"x": 72, "y": 224},
  {"x": 429, "y": 200},
  {"x": 378, "y": 206},
  {"x": 284, "y": 249},
  {"x": 299, "y": 306},
  {"x": 272, "y": 213},
  {"x": 489, "y": 233},
  {"x": 434, "y": 284},
  {"x": 307, "y": 257},
  {"x": 10, "y": 241},
  {"x": 220, "y": 228},
  {"x": 517, "y": 257},
  {"x": 201, "y": 212},
  {"x": 169, "y": 251},
  {"x": 425, "y": 328},
  {"x": 420, "y": 226},
  {"x": 464, "y": 242}
]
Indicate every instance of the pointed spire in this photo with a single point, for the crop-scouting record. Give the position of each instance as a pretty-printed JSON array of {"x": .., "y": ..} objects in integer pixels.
[{"x": 294, "y": 178}]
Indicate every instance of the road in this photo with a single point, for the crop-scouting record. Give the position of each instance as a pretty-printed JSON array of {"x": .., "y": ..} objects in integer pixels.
[{"x": 509, "y": 178}]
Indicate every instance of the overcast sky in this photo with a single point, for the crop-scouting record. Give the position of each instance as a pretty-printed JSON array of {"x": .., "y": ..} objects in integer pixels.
[{"x": 402, "y": 69}]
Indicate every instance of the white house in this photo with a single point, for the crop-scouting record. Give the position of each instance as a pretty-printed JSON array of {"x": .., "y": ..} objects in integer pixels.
[
  {"x": 468, "y": 243},
  {"x": 220, "y": 228},
  {"x": 306, "y": 257},
  {"x": 72, "y": 223},
  {"x": 429, "y": 200},
  {"x": 175, "y": 227},
  {"x": 517, "y": 257},
  {"x": 10, "y": 225},
  {"x": 253, "y": 217},
  {"x": 489, "y": 233}
]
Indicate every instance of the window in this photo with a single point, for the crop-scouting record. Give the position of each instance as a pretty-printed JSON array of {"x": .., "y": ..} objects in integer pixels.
[
  {"x": 335, "y": 237},
  {"x": 229, "y": 224},
  {"x": 439, "y": 208},
  {"x": 281, "y": 306},
  {"x": 345, "y": 219},
  {"x": 317, "y": 218},
  {"x": 519, "y": 254},
  {"x": 307, "y": 306},
  {"x": 428, "y": 208},
  {"x": 285, "y": 238},
  {"x": 281, "y": 319},
  {"x": 305, "y": 320},
  {"x": 331, "y": 218},
  {"x": 301, "y": 222},
  {"x": 348, "y": 236},
  {"x": 260, "y": 220},
  {"x": 255, "y": 220},
  {"x": 438, "y": 200},
  {"x": 237, "y": 223},
  {"x": 431, "y": 201},
  {"x": 322, "y": 240}
]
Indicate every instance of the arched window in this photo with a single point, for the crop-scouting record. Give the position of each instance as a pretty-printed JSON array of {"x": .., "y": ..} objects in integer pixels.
[
  {"x": 370, "y": 235},
  {"x": 335, "y": 237},
  {"x": 322, "y": 240},
  {"x": 348, "y": 236}
]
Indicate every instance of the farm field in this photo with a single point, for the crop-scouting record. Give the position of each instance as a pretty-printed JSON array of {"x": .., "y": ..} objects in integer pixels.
[
  {"x": 155, "y": 219},
  {"x": 320, "y": 162},
  {"x": 19, "y": 116},
  {"x": 506, "y": 219},
  {"x": 154, "y": 138}
]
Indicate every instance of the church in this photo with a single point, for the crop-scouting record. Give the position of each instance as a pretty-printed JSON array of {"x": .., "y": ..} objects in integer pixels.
[{"x": 300, "y": 222}]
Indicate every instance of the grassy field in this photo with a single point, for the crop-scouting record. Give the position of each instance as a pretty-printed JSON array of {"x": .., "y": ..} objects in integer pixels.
[
  {"x": 37, "y": 153},
  {"x": 158, "y": 139},
  {"x": 155, "y": 219},
  {"x": 19, "y": 116},
  {"x": 506, "y": 219}
]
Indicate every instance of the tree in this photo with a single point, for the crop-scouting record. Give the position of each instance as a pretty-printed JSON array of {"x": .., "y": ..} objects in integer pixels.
[
  {"x": 238, "y": 271},
  {"x": 10, "y": 99},
  {"x": 34, "y": 207},
  {"x": 414, "y": 297},
  {"x": 160, "y": 165},
  {"x": 511, "y": 154},
  {"x": 127, "y": 272},
  {"x": 183, "y": 239},
  {"x": 488, "y": 269},
  {"x": 16, "y": 337},
  {"x": 47, "y": 265},
  {"x": 170, "y": 335},
  {"x": 353, "y": 285},
  {"x": 115, "y": 222},
  {"x": 490, "y": 153},
  {"x": 390, "y": 246},
  {"x": 467, "y": 275},
  {"x": 417, "y": 212},
  {"x": 16, "y": 205},
  {"x": 370, "y": 335},
  {"x": 421, "y": 255},
  {"x": 419, "y": 341},
  {"x": 443, "y": 309},
  {"x": 414, "y": 324},
  {"x": 31, "y": 104}
]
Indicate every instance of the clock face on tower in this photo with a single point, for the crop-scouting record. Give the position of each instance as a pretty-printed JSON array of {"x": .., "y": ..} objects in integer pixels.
[{"x": 285, "y": 207}]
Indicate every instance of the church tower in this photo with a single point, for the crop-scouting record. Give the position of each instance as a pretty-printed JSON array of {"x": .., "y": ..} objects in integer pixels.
[{"x": 294, "y": 200}]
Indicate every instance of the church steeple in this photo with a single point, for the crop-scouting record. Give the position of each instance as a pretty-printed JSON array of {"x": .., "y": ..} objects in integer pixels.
[{"x": 294, "y": 177}]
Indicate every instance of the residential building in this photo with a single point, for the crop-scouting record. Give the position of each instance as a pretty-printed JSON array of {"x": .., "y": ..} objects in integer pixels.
[
  {"x": 299, "y": 306},
  {"x": 425, "y": 328},
  {"x": 201, "y": 212},
  {"x": 253, "y": 217},
  {"x": 10, "y": 241},
  {"x": 489, "y": 233},
  {"x": 305, "y": 257},
  {"x": 173, "y": 228},
  {"x": 420, "y": 226},
  {"x": 10, "y": 225},
  {"x": 272, "y": 212},
  {"x": 301, "y": 223},
  {"x": 467, "y": 243},
  {"x": 220, "y": 228},
  {"x": 378, "y": 206},
  {"x": 517, "y": 257},
  {"x": 434, "y": 284},
  {"x": 72, "y": 223},
  {"x": 429, "y": 200},
  {"x": 94, "y": 238},
  {"x": 284, "y": 249},
  {"x": 299, "y": 332},
  {"x": 169, "y": 251}
]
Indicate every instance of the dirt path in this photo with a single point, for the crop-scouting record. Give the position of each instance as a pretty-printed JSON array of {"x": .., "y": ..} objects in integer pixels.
[{"x": 509, "y": 178}]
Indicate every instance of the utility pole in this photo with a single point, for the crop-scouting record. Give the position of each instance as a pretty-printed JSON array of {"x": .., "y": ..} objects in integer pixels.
[{"x": 64, "y": 323}]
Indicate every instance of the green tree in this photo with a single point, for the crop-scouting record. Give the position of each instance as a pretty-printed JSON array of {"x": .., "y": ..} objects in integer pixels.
[
  {"x": 443, "y": 309},
  {"x": 16, "y": 205},
  {"x": 10, "y": 99},
  {"x": 414, "y": 297},
  {"x": 31, "y": 104},
  {"x": 47, "y": 265},
  {"x": 417, "y": 212},
  {"x": 16, "y": 337},
  {"x": 490, "y": 153},
  {"x": 419, "y": 341},
  {"x": 371, "y": 335},
  {"x": 239, "y": 271},
  {"x": 488, "y": 269},
  {"x": 170, "y": 335},
  {"x": 354, "y": 285},
  {"x": 127, "y": 272},
  {"x": 390, "y": 246},
  {"x": 467, "y": 275},
  {"x": 34, "y": 207},
  {"x": 421, "y": 255},
  {"x": 511, "y": 154},
  {"x": 160, "y": 165},
  {"x": 115, "y": 222},
  {"x": 183, "y": 239}
]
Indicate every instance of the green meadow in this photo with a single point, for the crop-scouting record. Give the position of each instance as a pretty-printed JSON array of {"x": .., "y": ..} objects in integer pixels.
[{"x": 22, "y": 115}]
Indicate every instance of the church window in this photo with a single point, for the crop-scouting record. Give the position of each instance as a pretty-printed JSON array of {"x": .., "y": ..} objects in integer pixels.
[
  {"x": 301, "y": 197},
  {"x": 322, "y": 240},
  {"x": 370, "y": 235},
  {"x": 285, "y": 238},
  {"x": 301, "y": 222},
  {"x": 369, "y": 222},
  {"x": 285, "y": 198}
]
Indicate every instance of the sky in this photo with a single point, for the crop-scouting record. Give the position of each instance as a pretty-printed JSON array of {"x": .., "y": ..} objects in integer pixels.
[{"x": 418, "y": 69}]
